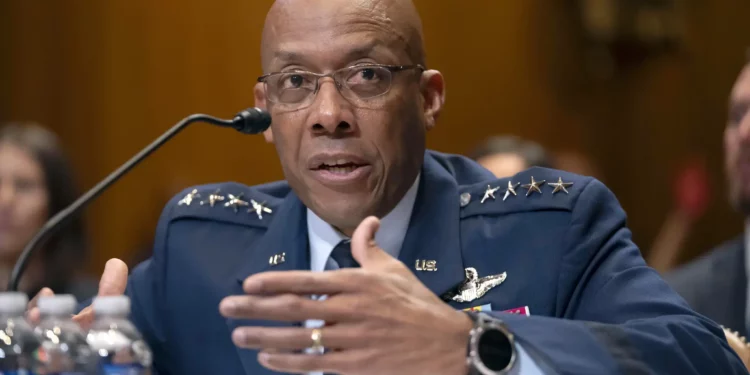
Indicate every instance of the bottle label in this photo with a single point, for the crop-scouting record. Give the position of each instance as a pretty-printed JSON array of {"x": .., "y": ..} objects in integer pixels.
[{"x": 132, "y": 369}]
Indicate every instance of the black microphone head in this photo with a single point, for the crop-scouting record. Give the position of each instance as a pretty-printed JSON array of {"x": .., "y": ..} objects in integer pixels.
[{"x": 252, "y": 121}]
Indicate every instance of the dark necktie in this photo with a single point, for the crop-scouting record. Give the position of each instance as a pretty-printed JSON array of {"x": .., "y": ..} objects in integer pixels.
[{"x": 342, "y": 255}]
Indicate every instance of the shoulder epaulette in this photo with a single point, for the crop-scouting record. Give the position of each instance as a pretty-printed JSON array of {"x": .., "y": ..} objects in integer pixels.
[
  {"x": 534, "y": 189},
  {"x": 227, "y": 202}
]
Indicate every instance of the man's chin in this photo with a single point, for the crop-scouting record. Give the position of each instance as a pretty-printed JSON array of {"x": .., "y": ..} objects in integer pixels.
[{"x": 344, "y": 214}]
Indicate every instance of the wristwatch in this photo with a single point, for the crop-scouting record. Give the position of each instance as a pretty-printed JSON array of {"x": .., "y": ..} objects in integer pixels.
[{"x": 491, "y": 349}]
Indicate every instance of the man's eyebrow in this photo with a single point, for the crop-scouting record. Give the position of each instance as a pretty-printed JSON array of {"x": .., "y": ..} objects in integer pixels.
[
  {"x": 283, "y": 55},
  {"x": 287, "y": 55},
  {"x": 362, "y": 50}
]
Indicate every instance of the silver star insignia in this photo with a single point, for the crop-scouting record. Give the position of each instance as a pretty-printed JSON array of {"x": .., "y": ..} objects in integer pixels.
[
  {"x": 259, "y": 209},
  {"x": 235, "y": 202},
  {"x": 490, "y": 193},
  {"x": 188, "y": 199},
  {"x": 213, "y": 198},
  {"x": 534, "y": 186},
  {"x": 475, "y": 287},
  {"x": 560, "y": 186},
  {"x": 510, "y": 190}
]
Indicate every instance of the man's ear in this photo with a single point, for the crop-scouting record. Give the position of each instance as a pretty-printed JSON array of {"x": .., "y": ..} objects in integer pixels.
[
  {"x": 433, "y": 92},
  {"x": 259, "y": 92}
]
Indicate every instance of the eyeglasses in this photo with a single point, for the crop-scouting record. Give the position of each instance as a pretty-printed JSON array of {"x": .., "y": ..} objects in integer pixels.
[{"x": 356, "y": 82}]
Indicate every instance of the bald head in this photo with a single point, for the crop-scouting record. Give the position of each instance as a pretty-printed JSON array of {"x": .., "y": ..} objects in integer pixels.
[{"x": 393, "y": 24}]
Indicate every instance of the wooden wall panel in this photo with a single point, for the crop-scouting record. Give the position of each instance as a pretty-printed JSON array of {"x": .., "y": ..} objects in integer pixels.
[{"x": 110, "y": 76}]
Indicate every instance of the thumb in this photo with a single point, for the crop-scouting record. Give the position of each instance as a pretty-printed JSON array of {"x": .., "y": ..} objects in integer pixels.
[
  {"x": 364, "y": 248},
  {"x": 114, "y": 278}
]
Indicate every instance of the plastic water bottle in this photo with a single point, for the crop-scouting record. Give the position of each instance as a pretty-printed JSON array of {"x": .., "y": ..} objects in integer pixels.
[
  {"x": 18, "y": 344},
  {"x": 63, "y": 349},
  {"x": 119, "y": 346}
]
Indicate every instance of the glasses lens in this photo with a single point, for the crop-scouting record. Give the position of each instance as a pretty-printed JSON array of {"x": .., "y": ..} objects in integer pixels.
[
  {"x": 367, "y": 81},
  {"x": 290, "y": 88}
]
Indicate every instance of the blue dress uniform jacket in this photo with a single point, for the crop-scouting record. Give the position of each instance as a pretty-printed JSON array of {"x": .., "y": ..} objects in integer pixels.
[{"x": 596, "y": 308}]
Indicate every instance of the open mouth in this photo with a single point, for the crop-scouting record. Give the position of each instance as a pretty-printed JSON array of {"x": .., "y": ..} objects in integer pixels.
[{"x": 339, "y": 167}]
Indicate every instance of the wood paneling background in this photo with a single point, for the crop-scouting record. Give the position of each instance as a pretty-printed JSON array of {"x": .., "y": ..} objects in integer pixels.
[{"x": 109, "y": 76}]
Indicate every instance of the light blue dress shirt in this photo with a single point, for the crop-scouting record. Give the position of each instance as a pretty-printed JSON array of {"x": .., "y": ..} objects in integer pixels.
[{"x": 390, "y": 237}]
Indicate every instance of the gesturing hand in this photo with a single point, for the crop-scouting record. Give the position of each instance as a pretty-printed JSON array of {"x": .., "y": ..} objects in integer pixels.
[
  {"x": 380, "y": 318},
  {"x": 113, "y": 282}
]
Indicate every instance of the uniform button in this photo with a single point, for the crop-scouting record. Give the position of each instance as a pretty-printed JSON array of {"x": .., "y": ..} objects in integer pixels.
[{"x": 465, "y": 199}]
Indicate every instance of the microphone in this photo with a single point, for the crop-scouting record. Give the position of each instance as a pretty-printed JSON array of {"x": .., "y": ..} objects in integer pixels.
[{"x": 249, "y": 121}]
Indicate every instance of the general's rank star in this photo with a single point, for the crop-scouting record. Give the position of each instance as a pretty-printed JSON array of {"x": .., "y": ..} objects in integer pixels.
[
  {"x": 533, "y": 186},
  {"x": 560, "y": 186},
  {"x": 235, "y": 202},
  {"x": 259, "y": 209},
  {"x": 510, "y": 190},
  {"x": 490, "y": 193}
]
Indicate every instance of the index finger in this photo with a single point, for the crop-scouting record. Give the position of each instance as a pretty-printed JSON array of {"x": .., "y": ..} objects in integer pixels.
[
  {"x": 308, "y": 282},
  {"x": 114, "y": 278},
  {"x": 33, "y": 314}
]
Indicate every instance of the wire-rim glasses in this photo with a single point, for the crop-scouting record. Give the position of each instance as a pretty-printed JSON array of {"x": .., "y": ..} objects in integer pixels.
[{"x": 365, "y": 81}]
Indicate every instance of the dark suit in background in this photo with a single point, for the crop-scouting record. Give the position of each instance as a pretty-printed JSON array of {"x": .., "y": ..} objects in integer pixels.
[{"x": 715, "y": 285}]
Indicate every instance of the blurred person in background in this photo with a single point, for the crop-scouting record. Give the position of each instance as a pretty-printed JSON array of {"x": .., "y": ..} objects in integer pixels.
[
  {"x": 715, "y": 284},
  {"x": 505, "y": 156},
  {"x": 692, "y": 195},
  {"x": 35, "y": 183},
  {"x": 576, "y": 162}
]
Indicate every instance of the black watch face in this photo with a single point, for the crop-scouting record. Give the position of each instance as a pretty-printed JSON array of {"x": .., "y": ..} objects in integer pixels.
[{"x": 495, "y": 350}]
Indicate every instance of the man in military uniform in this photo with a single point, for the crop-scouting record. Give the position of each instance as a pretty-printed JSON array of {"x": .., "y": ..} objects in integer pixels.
[{"x": 409, "y": 239}]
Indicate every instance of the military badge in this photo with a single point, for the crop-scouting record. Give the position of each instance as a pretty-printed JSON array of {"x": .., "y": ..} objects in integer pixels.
[
  {"x": 560, "y": 186},
  {"x": 474, "y": 287},
  {"x": 487, "y": 307},
  {"x": 188, "y": 199},
  {"x": 519, "y": 310},
  {"x": 490, "y": 193},
  {"x": 259, "y": 208}
]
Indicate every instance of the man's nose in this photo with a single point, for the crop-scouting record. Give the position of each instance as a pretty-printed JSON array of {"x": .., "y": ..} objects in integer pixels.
[{"x": 332, "y": 113}]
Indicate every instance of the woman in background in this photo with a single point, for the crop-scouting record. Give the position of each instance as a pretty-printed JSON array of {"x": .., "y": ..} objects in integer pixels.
[{"x": 36, "y": 182}]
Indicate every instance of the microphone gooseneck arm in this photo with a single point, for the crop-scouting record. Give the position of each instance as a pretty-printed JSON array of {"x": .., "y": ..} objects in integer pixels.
[{"x": 251, "y": 121}]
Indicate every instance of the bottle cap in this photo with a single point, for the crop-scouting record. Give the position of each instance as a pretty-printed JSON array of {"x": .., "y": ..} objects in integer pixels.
[
  {"x": 112, "y": 305},
  {"x": 13, "y": 303},
  {"x": 61, "y": 304}
]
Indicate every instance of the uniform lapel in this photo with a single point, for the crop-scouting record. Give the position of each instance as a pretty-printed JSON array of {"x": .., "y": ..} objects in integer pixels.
[
  {"x": 286, "y": 234},
  {"x": 433, "y": 233}
]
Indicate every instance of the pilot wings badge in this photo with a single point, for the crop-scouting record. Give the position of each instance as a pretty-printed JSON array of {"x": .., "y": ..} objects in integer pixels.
[{"x": 475, "y": 287}]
